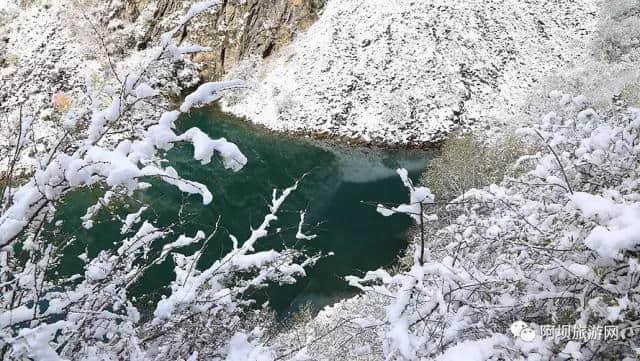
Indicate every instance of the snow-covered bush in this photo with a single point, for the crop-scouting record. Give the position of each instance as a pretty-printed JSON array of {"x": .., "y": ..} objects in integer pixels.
[
  {"x": 8, "y": 9},
  {"x": 116, "y": 147},
  {"x": 554, "y": 246},
  {"x": 619, "y": 30}
]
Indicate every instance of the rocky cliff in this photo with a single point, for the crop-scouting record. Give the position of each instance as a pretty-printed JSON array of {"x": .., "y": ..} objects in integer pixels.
[{"x": 237, "y": 30}]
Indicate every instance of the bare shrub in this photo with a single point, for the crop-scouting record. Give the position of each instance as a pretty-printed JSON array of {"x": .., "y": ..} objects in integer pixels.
[
  {"x": 466, "y": 163},
  {"x": 619, "y": 30}
]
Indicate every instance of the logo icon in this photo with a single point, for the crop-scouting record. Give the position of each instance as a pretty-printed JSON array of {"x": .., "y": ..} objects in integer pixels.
[{"x": 522, "y": 330}]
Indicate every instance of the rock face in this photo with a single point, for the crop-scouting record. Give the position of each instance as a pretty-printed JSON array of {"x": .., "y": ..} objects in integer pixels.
[{"x": 237, "y": 30}]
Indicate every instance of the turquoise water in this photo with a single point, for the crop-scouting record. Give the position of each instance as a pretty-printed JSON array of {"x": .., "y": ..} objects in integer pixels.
[{"x": 339, "y": 179}]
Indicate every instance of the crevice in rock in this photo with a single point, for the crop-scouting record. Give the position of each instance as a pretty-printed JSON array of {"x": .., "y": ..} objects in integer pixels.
[
  {"x": 268, "y": 50},
  {"x": 223, "y": 53}
]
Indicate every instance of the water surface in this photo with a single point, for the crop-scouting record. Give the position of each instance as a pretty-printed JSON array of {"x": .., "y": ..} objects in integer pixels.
[{"x": 338, "y": 180}]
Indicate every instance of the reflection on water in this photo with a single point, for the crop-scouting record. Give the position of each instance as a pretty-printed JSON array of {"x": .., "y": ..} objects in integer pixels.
[{"x": 339, "y": 179}]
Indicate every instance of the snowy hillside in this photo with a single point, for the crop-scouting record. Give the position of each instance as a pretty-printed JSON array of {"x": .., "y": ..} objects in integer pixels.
[
  {"x": 410, "y": 71},
  {"x": 54, "y": 52},
  {"x": 561, "y": 230},
  {"x": 563, "y": 238},
  {"x": 535, "y": 257}
]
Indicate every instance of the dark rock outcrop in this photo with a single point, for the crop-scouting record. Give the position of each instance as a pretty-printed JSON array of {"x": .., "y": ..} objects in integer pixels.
[{"x": 237, "y": 30}]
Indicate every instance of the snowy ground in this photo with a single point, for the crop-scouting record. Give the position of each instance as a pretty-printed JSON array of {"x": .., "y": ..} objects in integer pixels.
[{"x": 411, "y": 71}]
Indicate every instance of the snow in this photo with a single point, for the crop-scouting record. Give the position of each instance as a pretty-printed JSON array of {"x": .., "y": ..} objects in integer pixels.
[
  {"x": 182, "y": 241},
  {"x": 579, "y": 269},
  {"x": 92, "y": 211},
  {"x": 87, "y": 123},
  {"x": 198, "y": 8},
  {"x": 591, "y": 205},
  {"x": 144, "y": 237},
  {"x": 145, "y": 91},
  {"x": 564, "y": 227},
  {"x": 417, "y": 196},
  {"x": 97, "y": 271},
  {"x": 299, "y": 234},
  {"x": 204, "y": 148},
  {"x": 208, "y": 93},
  {"x": 495, "y": 251},
  {"x": 170, "y": 176},
  {"x": 572, "y": 349},
  {"x": 386, "y": 212},
  {"x": 190, "y": 282},
  {"x": 132, "y": 219},
  {"x": 478, "y": 350},
  {"x": 10, "y": 228},
  {"x": 407, "y": 72},
  {"x": 240, "y": 349},
  {"x": 35, "y": 342},
  {"x": 50, "y": 58},
  {"x": 167, "y": 120},
  {"x": 618, "y": 227}
]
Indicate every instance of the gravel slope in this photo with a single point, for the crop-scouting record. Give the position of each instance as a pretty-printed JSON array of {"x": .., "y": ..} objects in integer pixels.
[{"x": 405, "y": 71}]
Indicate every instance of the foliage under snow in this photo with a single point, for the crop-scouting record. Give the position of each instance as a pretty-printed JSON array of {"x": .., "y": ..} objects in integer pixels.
[
  {"x": 90, "y": 316},
  {"x": 556, "y": 242},
  {"x": 557, "y": 245}
]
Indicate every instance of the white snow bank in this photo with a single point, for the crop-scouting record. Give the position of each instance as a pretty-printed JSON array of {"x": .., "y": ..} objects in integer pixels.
[{"x": 476, "y": 350}]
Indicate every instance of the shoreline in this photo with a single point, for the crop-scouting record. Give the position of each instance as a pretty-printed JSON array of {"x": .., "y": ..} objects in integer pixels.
[{"x": 334, "y": 139}]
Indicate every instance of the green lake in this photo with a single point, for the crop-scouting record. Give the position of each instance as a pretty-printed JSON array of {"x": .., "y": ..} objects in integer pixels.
[{"x": 339, "y": 179}]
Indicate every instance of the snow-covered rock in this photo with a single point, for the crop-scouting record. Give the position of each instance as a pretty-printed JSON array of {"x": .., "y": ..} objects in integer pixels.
[{"x": 411, "y": 71}]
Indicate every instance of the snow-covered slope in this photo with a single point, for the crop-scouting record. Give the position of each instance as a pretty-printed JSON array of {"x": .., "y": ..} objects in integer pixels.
[
  {"x": 54, "y": 50},
  {"x": 41, "y": 54},
  {"x": 45, "y": 49},
  {"x": 406, "y": 71}
]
